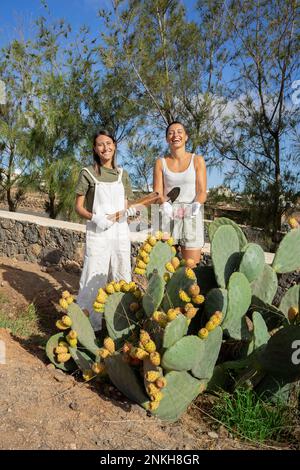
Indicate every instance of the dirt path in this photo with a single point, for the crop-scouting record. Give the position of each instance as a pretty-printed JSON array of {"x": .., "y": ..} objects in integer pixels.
[{"x": 43, "y": 408}]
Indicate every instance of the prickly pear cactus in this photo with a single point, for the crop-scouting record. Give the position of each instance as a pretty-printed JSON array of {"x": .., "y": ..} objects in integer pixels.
[{"x": 154, "y": 353}]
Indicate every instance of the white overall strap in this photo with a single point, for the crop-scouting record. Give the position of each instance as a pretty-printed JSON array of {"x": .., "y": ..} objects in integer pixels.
[
  {"x": 120, "y": 170},
  {"x": 92, "y": 176}
]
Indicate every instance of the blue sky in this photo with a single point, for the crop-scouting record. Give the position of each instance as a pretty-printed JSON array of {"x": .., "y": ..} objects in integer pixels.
[{"x": 19, "y": 15}]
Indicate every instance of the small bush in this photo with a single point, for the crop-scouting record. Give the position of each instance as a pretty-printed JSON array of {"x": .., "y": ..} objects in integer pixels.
[{"x": 247, "y": 415}]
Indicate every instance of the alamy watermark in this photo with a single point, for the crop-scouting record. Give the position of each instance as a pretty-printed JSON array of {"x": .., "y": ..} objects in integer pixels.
[{"x": 296, "y": 353}]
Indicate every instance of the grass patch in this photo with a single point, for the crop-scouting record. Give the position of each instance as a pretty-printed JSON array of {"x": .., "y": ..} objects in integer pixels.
[
  {"x": 24, "y": 324},
  {"x": 247, "y": 415}
]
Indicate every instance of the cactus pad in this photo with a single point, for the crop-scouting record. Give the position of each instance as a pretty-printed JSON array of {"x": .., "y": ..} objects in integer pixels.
[
  {"x": 225, "y": 254},
  {"x": 52, "y": 343},
  {"x": 265, "y": 286},
  {"x": 184, "y": 354},
  {"x": 253, "y": 261},
  {"x": 175, "y": 330},
  {"x": 287, "y": 257},
  {"x": 81, "y": 324}
]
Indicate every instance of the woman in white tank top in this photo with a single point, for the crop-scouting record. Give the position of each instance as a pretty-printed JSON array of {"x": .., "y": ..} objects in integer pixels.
[{"x": 185, "y": 217}]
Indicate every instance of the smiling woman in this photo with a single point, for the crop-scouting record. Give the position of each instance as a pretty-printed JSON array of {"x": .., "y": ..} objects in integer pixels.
[
  {"x": 185, "y": 217},
  {"x": 103, "y": 189}
]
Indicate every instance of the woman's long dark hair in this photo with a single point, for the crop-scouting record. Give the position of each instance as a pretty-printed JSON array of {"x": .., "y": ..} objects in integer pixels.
[{"x": 96, "y": 157}]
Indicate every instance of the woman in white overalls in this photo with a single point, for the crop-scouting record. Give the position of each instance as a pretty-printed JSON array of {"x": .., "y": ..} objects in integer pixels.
[
  {"x": 185, "y": 217},
  {"x": 107, "y": 252}
]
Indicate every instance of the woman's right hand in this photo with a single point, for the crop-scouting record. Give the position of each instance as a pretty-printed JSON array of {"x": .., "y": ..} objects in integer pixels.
[
  {"x": 101, "y": 221},
  {"x": 167, "y": 209}
]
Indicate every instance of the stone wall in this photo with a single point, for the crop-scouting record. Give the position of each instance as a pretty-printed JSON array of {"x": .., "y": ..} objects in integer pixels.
[{"x": 57, "y": 243}]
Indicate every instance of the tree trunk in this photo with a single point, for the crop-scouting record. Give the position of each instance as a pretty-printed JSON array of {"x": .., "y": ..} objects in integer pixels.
[
  {"x": 10, "y": 201},
  {"x": 51, "y": 206},
  {"x": 276, "y": 216}
]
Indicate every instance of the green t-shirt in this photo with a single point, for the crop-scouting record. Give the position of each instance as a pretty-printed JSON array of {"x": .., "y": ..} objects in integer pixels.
[{"x": 86, "y": 185}]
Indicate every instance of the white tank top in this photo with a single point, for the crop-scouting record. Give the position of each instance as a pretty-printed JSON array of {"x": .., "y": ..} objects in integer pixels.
[{"x": 186, "y": 180}]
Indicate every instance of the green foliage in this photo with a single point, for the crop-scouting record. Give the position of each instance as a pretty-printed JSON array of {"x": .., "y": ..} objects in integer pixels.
[{"x": 250, "y": 417}]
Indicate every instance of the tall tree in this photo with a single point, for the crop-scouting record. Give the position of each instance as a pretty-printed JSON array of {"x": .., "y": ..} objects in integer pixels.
[
  {"x": 173, "y": 65},
  {"x": 260, "y": 118}
]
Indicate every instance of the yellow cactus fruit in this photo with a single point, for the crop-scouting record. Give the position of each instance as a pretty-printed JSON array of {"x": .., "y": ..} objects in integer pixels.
[
  {"x": 188, "y": 306},
  {"x": 198, "y": 299},
  {"x": 153, "y": 405},
  {"x": 139, "y": 271},
  {"x": 61, "y": 326},
  {"x": 158, "y": 235},
  {"x": 203, "y": 333},
  {"x": 157, "y": 397},
  {"x": 161, "y": 382},
  {"x": 101, "y": 292},
  {"x": 72, "y": 342},
  {"x": 292, "y": 313},
  {"x": 152, "y": 389},
  {"x": 134, "y": 307},
  {"x": 65, "y": 294},
  {"x": 183, "y": 296},
  {"x": 103, "y": 352},
  {"x": 110, "y": 288},
  {"x": 151, "y": 240},
  {"x": 126, "y": 347},
  {"x": 98, "y": 367},
  {"x": 194, "y": 290},
  {"x": 152, "y": 376},
  {"x": 191, "y": 313},
  {"x": 147, "y": 248},
  {"x": 146, "y": 259},
  {"x": 150, "y": 346},
  {"x": 157, "y": 315},
  {"x": 144, "y": 337},
  {"x": 170, "y": 241},
  {"x": 109, "y": 344},
  {"x": 155, "y": 358},
  {"x": 66, "y": 320},
  {"x": 140, "y": 264},
  {"x": 139, "y": 353},
  {"x": 98, "y": 307},
  {"x": 215, "y": 319},
  {"x": 169, "y": 267},
  {"x": 63, "y": 343},
  {"x": 175, "y": 262},
  {"x": 210, "y": 325},
  {"x": 72, "y": 334},
  {"x": 101, "y": 299},
  {"x": 132, "y": 286},
  {"x": 163, "y": 323},
  {"x": 293, "y": 223},
  {"x": 137, "y": 293},
  {"x": 172, "y": 314},
  {"x": 61, "y": 350},
  {"x": 117, "y": 287},
  {"x": 190, "y": 274},
  {"x": 125, "y": 287},
  {"x": 88, "y": 374},
  {"x": 63, "y": 303},
  {"x": 63, "y": 357},
  {"x": 70, "y": 300},
  {"x": 166, "y": 277},
  {"x": 142, "y": 252},
  {"x": 173, "y": 250},
  {"x": 190, "y": 263}
]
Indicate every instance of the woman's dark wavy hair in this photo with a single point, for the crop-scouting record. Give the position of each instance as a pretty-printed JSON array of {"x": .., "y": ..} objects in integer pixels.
[
  {"x": 96, "y": 157},
  {"x": 175, "y": 122}
]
